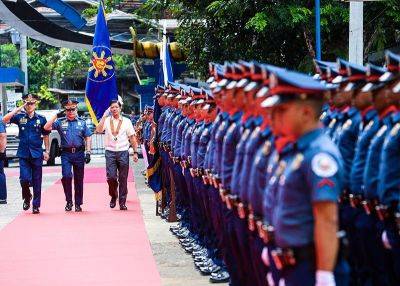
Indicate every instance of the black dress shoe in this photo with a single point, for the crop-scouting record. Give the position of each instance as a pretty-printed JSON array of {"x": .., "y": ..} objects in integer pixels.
[
  {"x": 27, "y": 204},
  {"x": 113, "y": 203},
  {"x": 123, "y": 208},
  {"x": 3, "y": 202},
  {"x": 220, "y": 277},
  {"x": 78, "y": 208},
  {"x": 68, "y": 207},
  {"x": 35, "y": 210}
]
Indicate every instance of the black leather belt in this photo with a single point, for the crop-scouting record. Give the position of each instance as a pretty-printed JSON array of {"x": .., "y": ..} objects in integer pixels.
[{"x": 73, "y": 149}]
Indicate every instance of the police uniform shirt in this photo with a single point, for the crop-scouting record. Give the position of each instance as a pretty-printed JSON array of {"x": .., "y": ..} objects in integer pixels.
[
  {"x": 368, "y": 129},
  {"x": 257, "y": 139},
  {"x": 178, "y": 118},
  {"x": 231, "y": 139},
  {"x": 161, "y": 120},
  {"x": 165, "y": 126},
  {"x": 30, "y": 134},
  {"x": 371, "y": 172},
  {"x": 313, "y": 174},
  {"x": 187, "y": 139},
  {"x": 203, "y": 143},
  {"x": 389, "y": 170},
  {"x": 347, "y": 135},
  {"x": 178, "y": 139},
  {"x": 209, "y": 159},
  {"x": 245, "y": 132},
  {"x": 219, "y": 140},
  {"x": 194, "y": 143},
  {"x": 72, "y": 132}
]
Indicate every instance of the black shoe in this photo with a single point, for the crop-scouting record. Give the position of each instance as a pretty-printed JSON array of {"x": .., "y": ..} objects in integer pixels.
[
  {"x": 220, "y": 277},
  {"x": 3, "y": 202},
  {"x": 35, "y": 210},
  {"x": 113, "y": 203},
  {"x": 123, "y": 208},
  {"x": 27, "y": 204},
  {"x": 68, "y": 207},
  {"x": 78, "y": 208}
]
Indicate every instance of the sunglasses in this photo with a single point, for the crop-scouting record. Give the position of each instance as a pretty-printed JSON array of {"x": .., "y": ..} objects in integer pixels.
[
  {"x": 70, "y": 109},
  {"x": 30, "y": 103}
]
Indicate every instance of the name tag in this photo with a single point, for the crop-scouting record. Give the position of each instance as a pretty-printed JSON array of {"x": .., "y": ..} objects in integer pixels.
[{"x": 23, "y": 120}]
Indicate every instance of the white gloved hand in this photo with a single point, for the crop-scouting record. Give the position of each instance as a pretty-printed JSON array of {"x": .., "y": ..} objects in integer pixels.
[
  {"x": 385, "y": 241},
  {"x": 324, "y": 278},
  {"x": 264, "y": 256}
]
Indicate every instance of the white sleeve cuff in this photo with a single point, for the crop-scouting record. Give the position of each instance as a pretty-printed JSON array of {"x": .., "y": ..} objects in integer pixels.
[{"x": 324, "y": 278}]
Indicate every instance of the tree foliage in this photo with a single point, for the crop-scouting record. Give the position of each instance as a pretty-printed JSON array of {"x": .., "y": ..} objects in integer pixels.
[
  {"x": 280, "y": 32},
  {"x": 9, "y": 56}
]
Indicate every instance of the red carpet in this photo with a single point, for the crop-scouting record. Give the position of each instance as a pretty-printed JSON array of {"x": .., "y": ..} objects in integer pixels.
[{"x": 98, "y": 247}]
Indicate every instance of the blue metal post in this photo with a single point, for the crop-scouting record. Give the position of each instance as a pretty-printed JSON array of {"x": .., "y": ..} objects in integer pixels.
[{"x": 318, "y": 28}]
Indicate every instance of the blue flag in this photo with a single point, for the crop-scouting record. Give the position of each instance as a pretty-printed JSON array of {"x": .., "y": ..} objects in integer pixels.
[{"x": 101, "y": 84}]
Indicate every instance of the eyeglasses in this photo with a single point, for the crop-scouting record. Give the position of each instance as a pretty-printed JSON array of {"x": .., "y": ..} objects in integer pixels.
[{"x": 70, "y": 109}]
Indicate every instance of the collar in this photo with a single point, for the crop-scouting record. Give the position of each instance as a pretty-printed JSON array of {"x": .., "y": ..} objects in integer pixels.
[
  {"x": 284, "y": 144},
  {"x": 266, "y": 132},
  {"x": 118, "y": 119},
  {"x": 236, "y": 117},
  {"x": 75, "y": 119},
  {"x": 387, "y": 112},
  {"x": 35, "y": 115},
  {"x": 190, "y": 121},
  {"x": 224, "y": 115},
  {"x": 258, "y": 120},
  {"x": 304, "y": 141},
  {"x": 396, "y": 116},
  {"x": 249, "y": 122}
]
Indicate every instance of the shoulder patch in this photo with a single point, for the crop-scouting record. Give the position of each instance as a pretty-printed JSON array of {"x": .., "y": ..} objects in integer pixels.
[
  {"x": 381, "y": 131},
  {"x": 395, "y": 130},
  {"x": 324, "y": 165}
]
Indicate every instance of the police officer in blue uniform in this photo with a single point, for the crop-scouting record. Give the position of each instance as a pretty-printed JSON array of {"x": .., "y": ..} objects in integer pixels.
[
  {"x": 75, "y": 139},
  {"x": 30, "y": 152},
  {"x": 3, "y": 142},
  {"x": 306, "y": 211}
]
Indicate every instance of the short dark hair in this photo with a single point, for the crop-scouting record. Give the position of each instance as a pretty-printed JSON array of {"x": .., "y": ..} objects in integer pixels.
[{"x": 115, "y": 101}]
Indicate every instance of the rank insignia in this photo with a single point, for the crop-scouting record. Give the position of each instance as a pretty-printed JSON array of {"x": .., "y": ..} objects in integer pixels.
[
  {"x": 369, "y": 125},
  {"x": 381, "y": 131},
  {"x": 395, "y": 130},
  {"x": 267, "y": 148},
  {"x": 347, "y": 124},
  {"x": 332, "y": 123},
  {"x": 255, "y": 133},
  {"x": 297, "y": 162}
]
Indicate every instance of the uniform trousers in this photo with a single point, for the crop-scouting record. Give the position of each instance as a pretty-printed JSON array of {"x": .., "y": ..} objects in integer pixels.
[
  {"x": 30, "y": 171},
  {"x": 73, "y": 162}
]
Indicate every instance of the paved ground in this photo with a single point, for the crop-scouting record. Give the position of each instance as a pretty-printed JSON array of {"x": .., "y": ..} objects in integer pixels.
[{"x": 175, "y": 266}]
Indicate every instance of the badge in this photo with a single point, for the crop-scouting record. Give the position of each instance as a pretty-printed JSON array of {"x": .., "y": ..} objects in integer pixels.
[
  {"x": 297, "y": 162},
  {"x": 332, "y": 123},
  {"x": 267, "y": 148},
  {"x": 369, "y": 125},
  {"x": 38, "y": 121},
  {"x": 347, "y": 124},
  {"x": 381, "y": 131},
  {"x": 324, "y": 165},
  {"x": 79, "y": 123},
  {"x": 245, "y": 135},
  {"x": 395, "y": 130},
  {"x": 23, "y": 120},
  {"x": 255, "y": 133}
]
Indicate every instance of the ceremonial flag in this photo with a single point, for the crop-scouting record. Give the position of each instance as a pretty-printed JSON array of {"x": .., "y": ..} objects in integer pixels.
[
  {"x": 166, "y": 75},
  {"x": 101, "y": 83}
]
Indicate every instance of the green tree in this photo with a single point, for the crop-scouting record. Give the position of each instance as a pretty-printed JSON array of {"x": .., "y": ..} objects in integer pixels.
[
  {"x": 9, "y": 56},
  {"x": 279, "y": 32}
]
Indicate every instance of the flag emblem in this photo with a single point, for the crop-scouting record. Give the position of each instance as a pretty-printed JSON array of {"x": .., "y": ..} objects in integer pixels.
[{"x": 101, "y": 67}]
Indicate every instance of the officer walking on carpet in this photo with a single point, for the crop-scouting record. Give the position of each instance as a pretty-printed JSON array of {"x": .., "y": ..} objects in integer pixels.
[
  {"x": 30, "y": 152},
  {"x": 75, "y": 139}
]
